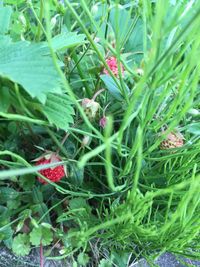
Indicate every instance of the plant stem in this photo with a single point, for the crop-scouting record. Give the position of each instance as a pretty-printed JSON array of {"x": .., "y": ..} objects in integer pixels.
[
  {"x": 82, "y": 75},
  {"x": 97, "y": 93},
  {"x": 41, "y": 255},
  {"x": 40, "y": 19}
]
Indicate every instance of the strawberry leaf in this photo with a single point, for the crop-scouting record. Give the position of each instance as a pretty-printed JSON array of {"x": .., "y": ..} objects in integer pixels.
[
  {"x": 5, "y": 14},
  {"x": 31, "y": 66},
  {"x": 21, "y": 245},
  {"x": 67, "y": 40},
  {"x": 112, "y": 87},
  {"x": 58, "y": 110},
  {"x": 41, "y": 234}
]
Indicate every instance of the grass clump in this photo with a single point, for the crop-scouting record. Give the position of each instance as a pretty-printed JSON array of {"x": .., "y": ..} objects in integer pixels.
[{"x": 103, "y": 99}]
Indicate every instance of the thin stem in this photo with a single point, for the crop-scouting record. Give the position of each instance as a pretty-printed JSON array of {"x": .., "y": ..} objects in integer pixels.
[
  {"x": 40, "y": 19},
  {"x": 41, "y": 255},
  {"x": 64, "y": 81},
  {"x": 82, "y": 75},
  {"x": 69, "y": 5},
  {"x": 97, "y": 93}
]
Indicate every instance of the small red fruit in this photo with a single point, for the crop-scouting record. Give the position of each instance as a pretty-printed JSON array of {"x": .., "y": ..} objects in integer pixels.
[
  {"x": 112, "y": 64},
  {"x": 54, "y": 174}
]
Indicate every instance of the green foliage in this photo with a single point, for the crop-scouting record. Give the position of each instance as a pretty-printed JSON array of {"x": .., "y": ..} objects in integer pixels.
[
  {"x": 67, "y": 40},
  {"x": 4, "y": 94},
  {"x": 21, "y": 245},
  {"x": 41, "y": 235},
  {"x": 30, "y": 66},
  {"x": 58, "y": 110},
  {"x": 79, "y": 212},
  {"x": 76, "y": 175},
  {"x": 105, "y": 263},
  {"x": 7, "y": 193},
  {"x": 5, "y": 232},
  {"x": 132, "y": 170},
  {"x": 5, "y": 14},
  {"x": 120, "y": 20},
  {"x": 112, "y": 87},
  {"x": 194, "y": 128},
  {"x": 27, "y": 181},
  {"x": 83, "y": 259}
]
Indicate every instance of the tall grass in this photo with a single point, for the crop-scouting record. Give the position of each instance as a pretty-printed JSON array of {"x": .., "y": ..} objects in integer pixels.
[{"x": 145, "y": 200}]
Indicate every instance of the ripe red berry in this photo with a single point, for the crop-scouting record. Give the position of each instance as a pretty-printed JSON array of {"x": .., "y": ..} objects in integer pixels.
[
  {"x": 112, "y": 64},
  {"x": 54, "y": 174}
]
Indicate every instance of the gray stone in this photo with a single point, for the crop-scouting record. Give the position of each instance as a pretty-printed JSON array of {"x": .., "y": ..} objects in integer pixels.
[
  {"x": 168, "y": 260},
  {"x": 7, "y": 259}
]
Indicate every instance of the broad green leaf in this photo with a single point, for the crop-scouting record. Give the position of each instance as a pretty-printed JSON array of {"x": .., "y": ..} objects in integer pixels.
[
  {"x": 31, "y": 66},
  {"x": 112, "y": 87},
  {"x": 4, "y": 40},
  {"x": 36, "y": 236},
  {"x": 5, "y": 14},
  {"x": 135, "y": 41},
  {"x": 41, "y": 234},
  {"x": 67, "y": 40},
  {"x": 21, "y": 245},
  {"x": 58, "y": 110}
]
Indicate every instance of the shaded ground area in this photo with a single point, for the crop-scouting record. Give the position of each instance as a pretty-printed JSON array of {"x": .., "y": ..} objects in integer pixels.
[
  {"x": 168, "y": 260},
  {"x": 7, "y": 259}
]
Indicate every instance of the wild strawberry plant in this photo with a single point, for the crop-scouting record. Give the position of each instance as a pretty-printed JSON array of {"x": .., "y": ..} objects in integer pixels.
[{"x": 99, "y": 129}]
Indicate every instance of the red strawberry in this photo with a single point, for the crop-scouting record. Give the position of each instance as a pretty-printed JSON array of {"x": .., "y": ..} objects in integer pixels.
[
  {"x": 112, "y": 64},
  {"x": 54, "y": 174}
]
